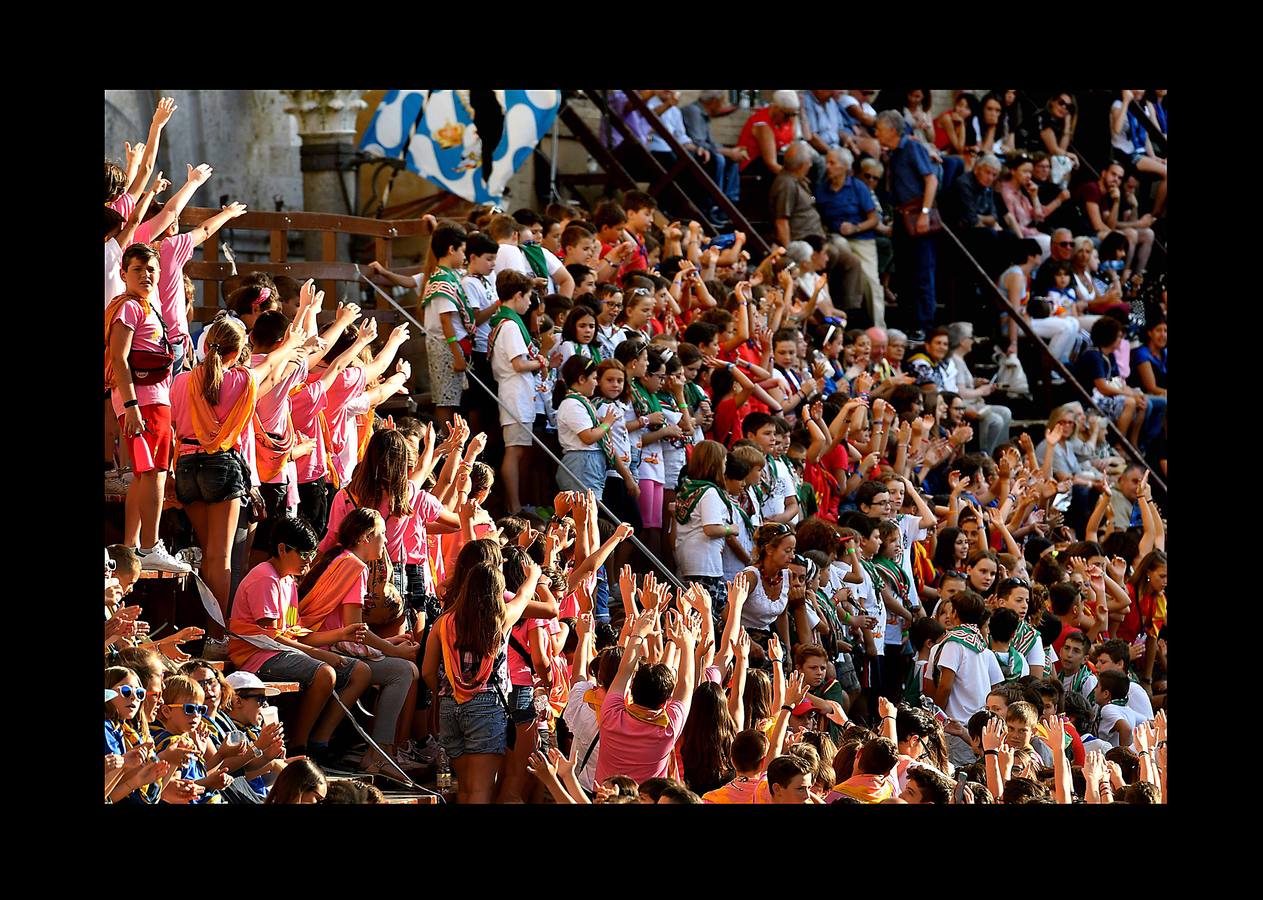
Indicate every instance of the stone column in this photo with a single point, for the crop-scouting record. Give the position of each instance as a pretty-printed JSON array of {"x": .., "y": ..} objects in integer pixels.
[{"x": 326, "y": 124}]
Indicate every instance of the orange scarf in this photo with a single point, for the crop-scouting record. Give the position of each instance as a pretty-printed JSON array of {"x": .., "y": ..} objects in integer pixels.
[
  {"x": 364, "y": 423},
  {"x": 215, "y": 436},
  {"x": 464, "y": 691},
  {"x": 594, "y": 701},
  {"x": 867, "y": 788},
  {"x": 270, "y": 455},
  {"x": 330, "y": 589},
  {"x": 331, "y": 449},
  {"x": 110, "y": 312}
]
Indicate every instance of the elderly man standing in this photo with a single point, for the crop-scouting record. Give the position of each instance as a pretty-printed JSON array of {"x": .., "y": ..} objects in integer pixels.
[
  {"x": 851, "y": 215},
  {"x": 913, "y": 186},
  {"x": 724, "y": 166}
]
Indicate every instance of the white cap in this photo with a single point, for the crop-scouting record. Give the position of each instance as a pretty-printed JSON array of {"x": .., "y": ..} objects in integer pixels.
[
  {"x": 785, "y": 99},
  {"x": 240, "y": 681}
]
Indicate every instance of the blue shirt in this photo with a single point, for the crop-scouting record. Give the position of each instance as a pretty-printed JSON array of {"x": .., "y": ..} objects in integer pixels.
[
  {"x": 1145, "y": 355},
  {"x": 824, "y": 119},
  {"x": 851, "y": 203},
  {"x": 113, "y": 738},
  {"x": 909, "y": 166}
]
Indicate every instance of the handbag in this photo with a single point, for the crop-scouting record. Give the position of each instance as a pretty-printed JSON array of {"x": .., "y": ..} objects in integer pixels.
[
  {"x": 151, "y": 366},
  {"x": 1010, "y": 378},
  {"x": 912, "y": 211},
  {"x": 382, "y": 603}
]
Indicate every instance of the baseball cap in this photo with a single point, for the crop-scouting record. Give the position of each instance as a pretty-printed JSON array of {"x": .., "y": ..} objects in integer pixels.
[
  {"x": 785, "y": 99},
  {"x": 240, "y": 681},
  {"x": 803, "y": 708},
  {"x": 110, "y": 695}
]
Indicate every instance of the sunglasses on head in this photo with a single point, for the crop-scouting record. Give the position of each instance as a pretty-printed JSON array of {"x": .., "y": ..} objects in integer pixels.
[
  {"x": 190, "y": 709},
  {"x": 126, "y": 690},
  {"x": 778, "y": 528},
  {"x": 1015, "y": 582}
]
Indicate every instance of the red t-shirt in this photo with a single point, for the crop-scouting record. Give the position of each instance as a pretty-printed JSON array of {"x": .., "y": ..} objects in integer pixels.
[{"x": 784, "y": 134}]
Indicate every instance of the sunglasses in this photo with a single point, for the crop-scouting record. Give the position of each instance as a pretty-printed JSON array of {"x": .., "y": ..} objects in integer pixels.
[
  {"x": 206, "y": 683},
  {"x": 261, "y": 699},
  {"x": 1015, "y": 582},
  {"x": 1065, "y": 243},
  {"x": 305, "y": 556},
  {"x": 190, "y": 709},
  {"x": 779, "y": 528},
  {"x": 126, "y": 690}
]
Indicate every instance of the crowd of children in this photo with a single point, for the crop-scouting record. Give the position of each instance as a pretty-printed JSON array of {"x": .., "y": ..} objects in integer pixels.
[{"x": 823, "y": 546}]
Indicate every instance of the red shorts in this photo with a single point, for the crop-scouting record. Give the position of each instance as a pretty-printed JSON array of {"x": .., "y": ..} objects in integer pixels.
[{"x": 152, "y": 449}]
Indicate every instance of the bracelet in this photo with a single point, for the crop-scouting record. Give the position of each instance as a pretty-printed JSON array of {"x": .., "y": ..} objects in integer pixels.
[
  {"x": 605, "y": 426},
  {"x": 128, "y": 404},
  {"x": 1143, "y": 753},
  {"x": 453, "y": 339},
  {"x": 885, "y": 718},
  {"x": 990, "y": 752},
  {"x": 788, "y": 708}
]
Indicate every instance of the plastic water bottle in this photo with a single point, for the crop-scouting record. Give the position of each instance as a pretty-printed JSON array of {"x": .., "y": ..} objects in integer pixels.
[
  {"x": 544, "y": 734},
  {"x": 444, "y": 770}
]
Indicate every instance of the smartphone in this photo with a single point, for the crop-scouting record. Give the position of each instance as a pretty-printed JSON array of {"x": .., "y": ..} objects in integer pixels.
[
  {"x": 270, "y": 715},
  {"x": 961, "y": 778}
]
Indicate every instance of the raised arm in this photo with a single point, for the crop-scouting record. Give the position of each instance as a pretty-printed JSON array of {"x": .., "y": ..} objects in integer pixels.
[
  {"x": 171, "y": 211},
  {"x": 161, "y": 115},
  {"x": 217, "y": 221}
]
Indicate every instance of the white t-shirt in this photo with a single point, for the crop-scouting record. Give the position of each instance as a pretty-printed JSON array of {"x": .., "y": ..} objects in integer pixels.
[
  {"x": 871, "y": 603},
  {"x": 481, "y": 293},
  {"x": 1087, "y": 689},
  {"x": 571, "y": 419},
  {"x": 619, "y": 434},
  {"x": 760, "y": 610},
  {"x": 910, "y": 530},
  {"x": 510, "y": 257},
  {"x": 113, "y": 281},
  {"x": 1035, "y": 656},
  {"x": 1110, "y": 715},
  {"x": 605, "y": 339},
  {"x": 432, "y": 317},
  {"x": 623, "y": 333},
  {"x": 516, "y": 389},
  {"x": 846, "y": 101},
  {"x": 582, "y": 722},
  {"x": 733, "y": 565},
  {"x": 653, "y": 465},
  {"x": 782, "y": 486},
  {"x": 1138, "y": 702},
  {"x": 976, "y": 674},
  {"x": 696, "y": 553}
]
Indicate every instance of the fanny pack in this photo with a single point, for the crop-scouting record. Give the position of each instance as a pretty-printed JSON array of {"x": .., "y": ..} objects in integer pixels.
[{"x": 151, "y": 366}]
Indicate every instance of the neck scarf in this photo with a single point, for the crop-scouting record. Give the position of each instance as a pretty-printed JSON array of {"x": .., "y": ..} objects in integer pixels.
[
  {"x": 1013, "y": 668},
  {"x": 691, "y": 494},
  {"x": 463, "y": 690},
  {"x": 649, "y": 716},
  {"x": 592, "y": 351},
  {"x": 968, "y": 636},
  {"x": 111, "y": 311},
  {"x": 447, "y": 282},
  {"x": 534, "y": 254},
  {"x": 330, "y": 589},
  {"x": 595, "y": 698},
  {"x": 645, "y": 402},
  {"x": 271, "y": 455},
  {"x": 1024, "y": 638},
  {"x": 607, "y": 443},
  {"x": 506, "y": 314},
  {"x": 895, "y": 576},
  {"x": 1079, "y": 679},
  {"x": 867, "y": 788},
  {"x": 215, "y": 436}
]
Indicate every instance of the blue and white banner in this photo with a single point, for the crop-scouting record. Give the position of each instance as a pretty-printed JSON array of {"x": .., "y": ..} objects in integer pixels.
[{"x": 441, "y": 135}]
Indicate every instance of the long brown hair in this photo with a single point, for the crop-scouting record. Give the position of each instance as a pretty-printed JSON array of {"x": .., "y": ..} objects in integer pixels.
[
  {"x": 224, "y": 343},
  {"x": 357, "y": 526},
  {"x": 483, "y": 551},
  {"x": 382, "y": 473},
  {"x": 478, "y": 610}
]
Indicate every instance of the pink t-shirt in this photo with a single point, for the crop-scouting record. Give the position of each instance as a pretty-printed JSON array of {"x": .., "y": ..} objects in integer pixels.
[
  {"x": 416, "y": 540},
  {"x": 346, "y": 387},
  {"x": 123, "y": 205},
  {"x": 173, "y": 253},
  {"x": 263, "y": 594},
  {"x": 634, "y": 748},
  {"x": 424, "y": 509},
  {"x": 146, "y": 335},
  {"x": 305, "y": 407},
  {"x": 235, "y": 380},
  {"x": 354, "y": 597},
  {"x": 519, "y": 669},
  {"x": 274, "y": 408}
]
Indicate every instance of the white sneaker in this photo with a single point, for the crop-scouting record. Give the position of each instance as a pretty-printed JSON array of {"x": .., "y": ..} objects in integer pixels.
[
  {"x": 214, "y": 650},
  {"x": 158, "y": 559}
]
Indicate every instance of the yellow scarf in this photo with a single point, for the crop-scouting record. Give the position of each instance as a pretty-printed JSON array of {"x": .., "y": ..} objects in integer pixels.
[
  {"x": 658, "y": 718},
  {"x": 215, "y": 436},
  {"x": 867, "y": 788},
  {"x": 111, "y": 311}
]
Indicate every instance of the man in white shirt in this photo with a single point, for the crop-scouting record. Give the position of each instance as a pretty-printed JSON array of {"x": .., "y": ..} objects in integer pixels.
[{"x": 510, "y": 234}]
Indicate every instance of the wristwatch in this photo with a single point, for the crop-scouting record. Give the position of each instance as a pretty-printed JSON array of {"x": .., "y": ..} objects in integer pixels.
[
  {"x": 258, "y": 754},
  {"x": 925, "y": 210}
]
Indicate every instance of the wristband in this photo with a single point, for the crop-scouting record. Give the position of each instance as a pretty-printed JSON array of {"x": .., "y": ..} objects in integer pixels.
[
  {"x": 990, "y": 752},
  {"x": 1143, "y": 753},
  {"x": 789, "y": 709},
  {"x": 453, "y": 339},
  {"x": 884, "y": 718},
  {"x": 128, "y": 404},
  {"x": 605, "y": 426}
]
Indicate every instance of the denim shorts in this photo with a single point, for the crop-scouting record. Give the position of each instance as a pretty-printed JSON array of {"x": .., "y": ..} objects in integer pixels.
[
  {"x": 211, "y": 477},
  {"x": 582, "y": 470},
  {"x": 298, "y": 666},
  {"x": 522, "y": 704},
  {"x": 474, "y": 727}
]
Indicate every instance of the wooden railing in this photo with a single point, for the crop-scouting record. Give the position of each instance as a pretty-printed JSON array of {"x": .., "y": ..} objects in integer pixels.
[{"x": 328, "y": 270}]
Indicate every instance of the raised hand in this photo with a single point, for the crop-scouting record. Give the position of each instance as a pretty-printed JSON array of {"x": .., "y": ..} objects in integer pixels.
[
  {"x": 993, "y": 734},
  {"x": 774, "y": 652},
  {"x": 795, "y": 688},
  {"x": 198, "y": 175},
  {"x": 166, "y": 108},
  {"x": 885, "y": 708}
]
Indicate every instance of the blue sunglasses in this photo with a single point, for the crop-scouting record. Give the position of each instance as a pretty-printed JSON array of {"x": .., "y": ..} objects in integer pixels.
[{"x": 126, "y": 691}]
